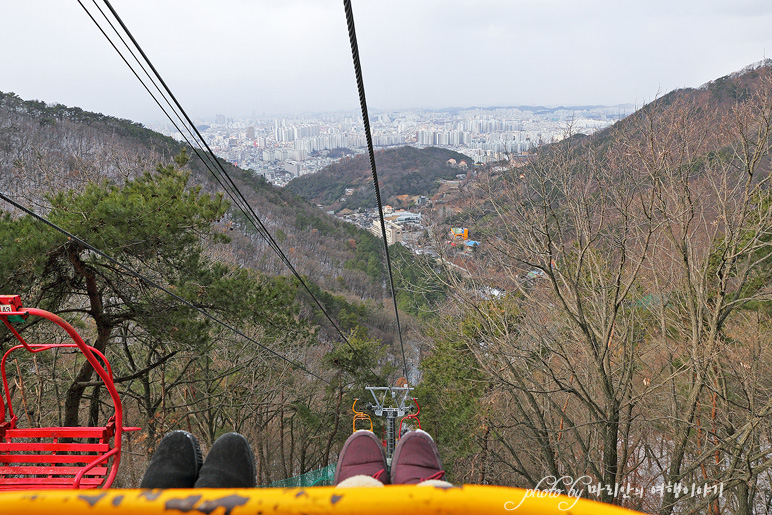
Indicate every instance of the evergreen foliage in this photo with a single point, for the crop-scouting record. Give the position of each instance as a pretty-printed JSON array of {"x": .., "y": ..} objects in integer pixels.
[{"x": 159, "y": 226}]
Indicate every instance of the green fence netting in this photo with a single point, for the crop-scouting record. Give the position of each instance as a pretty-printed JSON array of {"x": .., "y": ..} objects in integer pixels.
[{"x": 321, "y": 477}]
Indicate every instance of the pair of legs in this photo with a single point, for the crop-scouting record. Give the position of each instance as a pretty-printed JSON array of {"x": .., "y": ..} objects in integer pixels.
[
  {"x": 178, "y": 463},
  {"x": 416, "y": 459}
]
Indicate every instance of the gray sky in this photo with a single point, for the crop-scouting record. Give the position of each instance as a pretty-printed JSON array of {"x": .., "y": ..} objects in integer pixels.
[{"x": 234, "y": 57}]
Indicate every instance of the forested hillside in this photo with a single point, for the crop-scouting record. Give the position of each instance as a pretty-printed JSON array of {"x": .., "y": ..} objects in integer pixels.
[
  {"x": 612, "y": 327},
  {"x": 148, "y": 202},
  {"x": 627, "y": 339},
  {"x": 47, "y": 148},
  {"x": 401, "y": 171}
]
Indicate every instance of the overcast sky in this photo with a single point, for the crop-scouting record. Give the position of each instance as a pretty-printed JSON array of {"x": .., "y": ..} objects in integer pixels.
[{"x": 236, "y": 57}]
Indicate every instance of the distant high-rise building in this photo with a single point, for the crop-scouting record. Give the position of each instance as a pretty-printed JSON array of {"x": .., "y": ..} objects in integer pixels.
[{"x": 293, "y": 167}]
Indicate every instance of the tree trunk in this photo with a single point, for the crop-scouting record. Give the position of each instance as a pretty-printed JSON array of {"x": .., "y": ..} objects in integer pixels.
[
  {"x": 334, "y": 432},
  {"x": 104, "y": 332},
  {"x": 610, "y": 453}
]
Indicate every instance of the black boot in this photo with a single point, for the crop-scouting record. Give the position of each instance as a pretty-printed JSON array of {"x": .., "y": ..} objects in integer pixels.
[
  {"x": 229, "y": 464},
  {"x": 175, "y": 463}
]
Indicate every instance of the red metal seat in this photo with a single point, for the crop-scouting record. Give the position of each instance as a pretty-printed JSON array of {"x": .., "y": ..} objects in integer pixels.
[
  {"x": 56, "y": 457},
  {"x": 413, "y": 416}
]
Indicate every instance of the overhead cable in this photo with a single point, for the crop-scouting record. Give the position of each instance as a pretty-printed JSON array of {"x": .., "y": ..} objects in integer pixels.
[
  {"x": 206, "y": 155},
  {"x": 155, "y": 284},
  {"x": 352, "y": 36}
]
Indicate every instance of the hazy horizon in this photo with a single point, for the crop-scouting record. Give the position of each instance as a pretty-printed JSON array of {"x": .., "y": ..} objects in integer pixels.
[{"x": 237, "y": 57}]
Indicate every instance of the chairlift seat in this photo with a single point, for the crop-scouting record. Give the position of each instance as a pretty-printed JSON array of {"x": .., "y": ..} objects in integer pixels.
[{"x": 39, "y": 458}]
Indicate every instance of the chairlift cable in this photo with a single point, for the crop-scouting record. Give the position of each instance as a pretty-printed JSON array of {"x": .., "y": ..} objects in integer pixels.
[
  {"x": 155, "y": 284},
  {"x": 254, "y": 218},
  {"x": 220, "y": 174},
  {"x": 368, "y": 134},
  {"x": 196, "y": 147}
]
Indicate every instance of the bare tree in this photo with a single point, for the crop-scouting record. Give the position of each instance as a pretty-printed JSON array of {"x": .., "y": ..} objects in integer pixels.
[{"x": 636, "y": 270}]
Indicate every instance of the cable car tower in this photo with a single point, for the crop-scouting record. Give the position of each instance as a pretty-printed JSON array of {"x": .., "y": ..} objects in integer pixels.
[{"x": 398, "y": 407}]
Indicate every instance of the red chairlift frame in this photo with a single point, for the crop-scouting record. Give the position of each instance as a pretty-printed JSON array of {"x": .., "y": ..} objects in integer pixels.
[{"x": 38, "y": 464}]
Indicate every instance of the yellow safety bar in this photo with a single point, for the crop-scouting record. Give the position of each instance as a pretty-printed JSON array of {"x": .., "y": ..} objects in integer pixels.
[
  {"x": 359, "y": 415},
  {"x": 461, "y": 500}
]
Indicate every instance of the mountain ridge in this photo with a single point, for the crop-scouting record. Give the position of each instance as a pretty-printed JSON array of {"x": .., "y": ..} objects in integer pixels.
[
  {"x": 401, "y": 171},
  {"x": 51, "y": 147}
]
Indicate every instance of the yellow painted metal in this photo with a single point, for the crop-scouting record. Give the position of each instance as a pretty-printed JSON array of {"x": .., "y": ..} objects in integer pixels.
[{"x": 397, "y": 499}]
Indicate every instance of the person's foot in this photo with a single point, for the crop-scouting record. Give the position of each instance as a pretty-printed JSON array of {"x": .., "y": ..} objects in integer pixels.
[
  {"x": 415, "y": 459},
  {"x": 229, "y": 464},
  {"x": 362, "y": 455},
  {"x": 175, "y": 462}
]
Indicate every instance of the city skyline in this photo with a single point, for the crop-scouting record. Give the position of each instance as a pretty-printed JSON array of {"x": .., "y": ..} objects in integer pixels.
[
  {"x": 239, "y": 57},
  {"x": 281, "y": 149}
]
